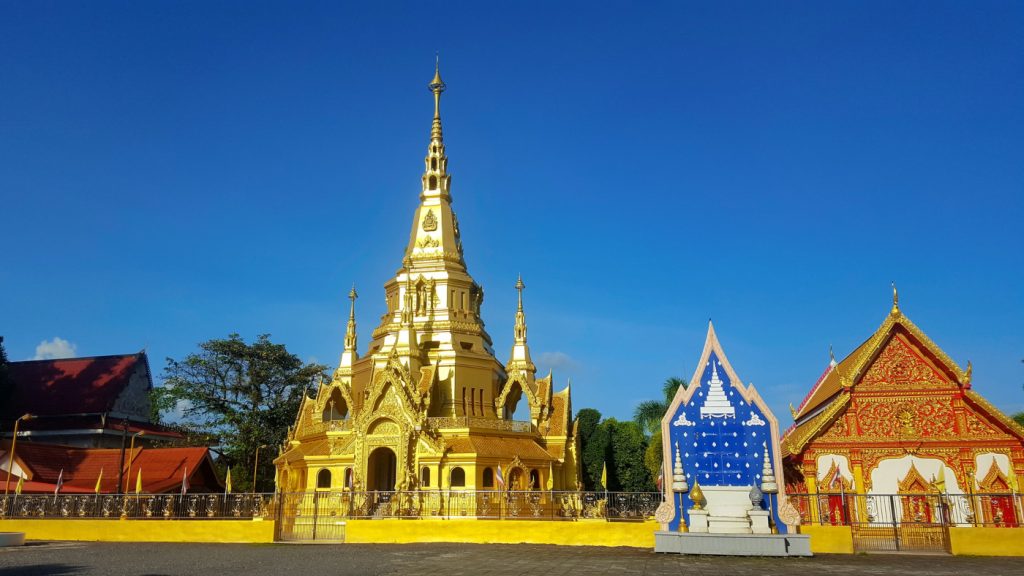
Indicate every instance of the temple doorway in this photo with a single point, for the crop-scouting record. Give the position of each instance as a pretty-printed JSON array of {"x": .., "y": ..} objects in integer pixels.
[{"x": 381, "y": 469}]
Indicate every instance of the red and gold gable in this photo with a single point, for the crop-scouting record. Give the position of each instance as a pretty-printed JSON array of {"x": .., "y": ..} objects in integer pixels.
[
  {"x": 905, "y": 396},
  {"x": 902, "y": 368}
]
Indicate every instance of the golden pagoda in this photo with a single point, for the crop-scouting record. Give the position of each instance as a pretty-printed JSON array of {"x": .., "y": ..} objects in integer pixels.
[{"x": 430, "y": 406}]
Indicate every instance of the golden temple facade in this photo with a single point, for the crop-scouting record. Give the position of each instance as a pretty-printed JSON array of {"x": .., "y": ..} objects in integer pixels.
[{"x": 430, "y": 406}]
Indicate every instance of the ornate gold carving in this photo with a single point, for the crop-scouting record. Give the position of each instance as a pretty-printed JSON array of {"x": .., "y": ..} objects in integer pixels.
[
  {"x": 429, "y": 221},
  {"x": 428, "y": 242},
  {"x": 899, "y": 368},
  {"x": 906, "y": 418}
]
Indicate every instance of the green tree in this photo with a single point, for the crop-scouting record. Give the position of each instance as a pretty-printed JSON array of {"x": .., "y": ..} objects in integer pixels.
[
  {"x": 648, "y": 415},
  {"x": 596, "y": 451},
  {"x": 628, "y": 447},
  {"x": 1019, "y": 418},
  {"x": 246, "y": 395}
]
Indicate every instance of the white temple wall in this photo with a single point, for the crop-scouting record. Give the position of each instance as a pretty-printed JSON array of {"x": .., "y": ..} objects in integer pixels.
[
  {"x": 983, "y": 463},
  {"x": 886, "y": 477}
]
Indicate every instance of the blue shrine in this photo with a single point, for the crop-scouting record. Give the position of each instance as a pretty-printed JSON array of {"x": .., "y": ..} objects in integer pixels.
[{"x": 721, "y": 464}]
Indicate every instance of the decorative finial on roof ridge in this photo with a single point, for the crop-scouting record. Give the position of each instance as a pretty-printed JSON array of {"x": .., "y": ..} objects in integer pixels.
[
  {"x": 831, "y": 356},
  {"x": 895, "y": 300}
]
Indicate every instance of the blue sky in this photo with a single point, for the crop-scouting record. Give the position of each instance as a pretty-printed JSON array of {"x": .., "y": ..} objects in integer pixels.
[{"x": 172, "y": 172}]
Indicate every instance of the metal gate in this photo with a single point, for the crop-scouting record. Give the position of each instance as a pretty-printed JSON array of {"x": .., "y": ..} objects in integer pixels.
[
  {"x": 310, "y": 517},
  {"x": 890, "y": 522},
  {"x": 901, "y": 523}
]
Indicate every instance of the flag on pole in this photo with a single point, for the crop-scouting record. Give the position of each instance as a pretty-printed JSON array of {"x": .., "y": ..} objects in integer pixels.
[
  {"x": 138, "y": 482},
  {"x": 60, "y": 482},
  {"x": 99, "y": 480},
  {"x": 21, "y": 484},
  {"x": 661, "y": 477},
  {"x": 227, "y": 482},
  {"x": 500, "y": 477},
  {"x": 184, "y": 482},
  {"x": 604, "y": 476}
]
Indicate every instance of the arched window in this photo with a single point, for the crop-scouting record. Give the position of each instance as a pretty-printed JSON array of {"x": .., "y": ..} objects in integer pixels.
[
  {"x": 488, "y": 478},
  {"x": 534, "y": 479},
  {"x": 335, "y": 408},
  {"x": 348, "y": 478},
  {"x": 458, "y": 477},
  {"x": 425, "y": 476},
  {"x": 433, "y": 183},
  {"x": 323, "y": 478}
]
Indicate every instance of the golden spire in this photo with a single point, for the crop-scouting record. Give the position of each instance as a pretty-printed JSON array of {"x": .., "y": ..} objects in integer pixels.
[
  {"x": 520, "y": 326},
  {"x": 437, "y": 86},
  {"x": 895, "y": 300},
  {"x": 350, "y": 331},
  {"x": 435, "y": 176}
]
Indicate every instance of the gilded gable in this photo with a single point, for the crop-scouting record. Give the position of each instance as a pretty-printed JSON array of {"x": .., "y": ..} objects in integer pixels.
[{"x": 901, "y": 367}]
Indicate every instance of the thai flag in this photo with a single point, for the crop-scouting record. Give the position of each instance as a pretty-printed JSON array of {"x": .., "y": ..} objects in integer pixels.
[
  {"x": 60, "y": 482},
  {"x": 184, "y": 481},
  {"x": 661, "y": 477},
  {"x": 500, "y": 477}
]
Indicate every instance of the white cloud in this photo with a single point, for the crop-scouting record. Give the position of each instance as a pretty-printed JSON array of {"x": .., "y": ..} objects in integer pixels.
[
  {"x": 56, "y": 348},
  {"x": 557, "y": 361}
]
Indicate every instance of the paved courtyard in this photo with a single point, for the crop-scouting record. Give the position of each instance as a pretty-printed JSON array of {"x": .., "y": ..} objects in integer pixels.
[{"x": 68, "y": 558}]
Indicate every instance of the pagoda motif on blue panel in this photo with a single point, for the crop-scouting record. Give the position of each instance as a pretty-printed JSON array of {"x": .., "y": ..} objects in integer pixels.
[{"x": 721, "y": 448}]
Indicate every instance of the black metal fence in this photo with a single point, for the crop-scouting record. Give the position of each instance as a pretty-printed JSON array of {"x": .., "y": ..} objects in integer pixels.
[
  {"x": 485, "y": 504},
  {"x": 448, "y": 504},
  {"x": 138, "y": 506}
]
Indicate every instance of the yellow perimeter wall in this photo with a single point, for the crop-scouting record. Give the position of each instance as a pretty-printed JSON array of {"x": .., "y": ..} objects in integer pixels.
[
  {"x": 580, "y": 533},
  {"x": 962, "y": 541},
  {"x": 987, "y": 541},
  {"x": 829, "y": 539},
  {"x": 222, "y": 531}
]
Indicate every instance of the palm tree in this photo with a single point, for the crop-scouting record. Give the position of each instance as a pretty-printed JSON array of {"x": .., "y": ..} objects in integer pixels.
[{"x": 648, "y": 414}]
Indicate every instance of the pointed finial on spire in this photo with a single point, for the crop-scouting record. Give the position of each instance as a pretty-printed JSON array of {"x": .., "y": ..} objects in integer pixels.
[
  {"x": 519, "y": 330},
  {"x": 350, "y": 330},
  {"x": 895, "y": 300},
  {"x": 831, "y": 356},
  {"x": 437, "y": 86},
  {"x": 519, "y": 288}
]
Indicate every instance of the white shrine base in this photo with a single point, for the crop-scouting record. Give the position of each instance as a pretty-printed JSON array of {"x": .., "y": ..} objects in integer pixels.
[{"x": 733, "y": 544}]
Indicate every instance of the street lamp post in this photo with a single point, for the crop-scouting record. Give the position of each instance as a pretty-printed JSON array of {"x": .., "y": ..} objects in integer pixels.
[
  {"x": 10, "y": 460},
  {"x": 256, "y": 466},
  {"x": 131, "y": 453}
]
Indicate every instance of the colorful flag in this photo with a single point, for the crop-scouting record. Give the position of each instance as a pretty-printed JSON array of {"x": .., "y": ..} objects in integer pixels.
[
  {"x": 661, "y": 477},
  {"x": 500, "y": 477},
  {"x": 184, "y": 482},
  {"x": 99, "y": 480},
  {"x": 604, "y": 476},
  {"x": 138, "y": 482},
  {"x": 21, "y": 484},
  {"x": 60, "y": 482},
  {"x": 227, "y": 482}
]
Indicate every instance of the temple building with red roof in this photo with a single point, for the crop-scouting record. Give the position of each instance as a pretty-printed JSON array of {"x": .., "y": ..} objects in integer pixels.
[
  {"x": 93, "y": 401},
  {"x": 162, "y": 469},
  {"x": 898, "y": 416}
]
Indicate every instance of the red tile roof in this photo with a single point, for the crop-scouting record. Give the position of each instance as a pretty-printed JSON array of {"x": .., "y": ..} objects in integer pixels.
[
  {"x": 162, "y": 468},
  {"x": 69, "y": 386}
]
